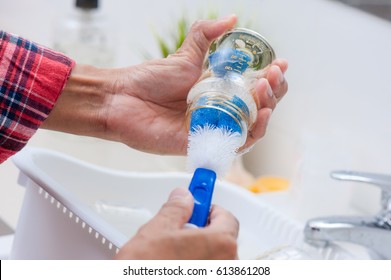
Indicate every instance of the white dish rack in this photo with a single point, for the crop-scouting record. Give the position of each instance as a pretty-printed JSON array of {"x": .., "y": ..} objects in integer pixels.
[{"x": 75, "y": 210}]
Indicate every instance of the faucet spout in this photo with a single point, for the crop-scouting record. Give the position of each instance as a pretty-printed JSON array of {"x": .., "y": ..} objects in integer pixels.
[{"x": 365, "y": 231}]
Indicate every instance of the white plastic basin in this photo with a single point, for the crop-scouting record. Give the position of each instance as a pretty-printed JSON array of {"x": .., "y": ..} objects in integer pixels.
[{"x": 75, "y": 210}]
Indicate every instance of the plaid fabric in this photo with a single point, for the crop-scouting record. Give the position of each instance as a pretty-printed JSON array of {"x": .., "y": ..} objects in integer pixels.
[{"x": 31, "y": 79}]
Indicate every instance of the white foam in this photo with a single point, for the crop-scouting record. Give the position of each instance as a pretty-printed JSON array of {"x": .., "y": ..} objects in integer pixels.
[{"x": 212, "y": 148}]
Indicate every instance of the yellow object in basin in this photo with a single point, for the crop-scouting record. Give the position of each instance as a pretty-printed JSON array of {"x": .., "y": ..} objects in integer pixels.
[{"x": 269, "y": 184}]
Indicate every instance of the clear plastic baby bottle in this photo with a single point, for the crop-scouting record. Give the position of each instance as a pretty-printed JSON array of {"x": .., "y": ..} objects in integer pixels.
[
  {"x": 221, "y": 108},
  {"x": 221, "y": 111},
  {"x": 222, "y": 98}
]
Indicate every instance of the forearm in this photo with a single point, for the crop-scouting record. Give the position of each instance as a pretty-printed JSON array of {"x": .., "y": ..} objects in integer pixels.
[{"x": 83, "y": 104}]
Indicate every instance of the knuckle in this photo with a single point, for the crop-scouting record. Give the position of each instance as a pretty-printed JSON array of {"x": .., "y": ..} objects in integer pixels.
[
  {"x": 176, "y": 207},
  {"x": 236, "y": 221},
  {"x": 197, "y": 25},
  {"x": 197, "y": 30},
  {"x": 273, "y": 103},
  {"x": 227, "y": 245}
]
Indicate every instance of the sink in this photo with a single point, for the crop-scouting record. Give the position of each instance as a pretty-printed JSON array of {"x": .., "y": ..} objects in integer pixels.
[{"x": 76, "y": 210}]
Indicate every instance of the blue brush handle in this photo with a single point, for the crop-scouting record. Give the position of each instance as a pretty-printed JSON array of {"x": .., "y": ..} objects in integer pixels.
[{"x": 202, "y": 186}]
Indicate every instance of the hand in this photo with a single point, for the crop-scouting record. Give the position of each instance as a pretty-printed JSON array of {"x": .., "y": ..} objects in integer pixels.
[
  {"x": 150, "y": 116},
  {"x": 164, "y": 237},
  {"x": 144, "y": 106}
]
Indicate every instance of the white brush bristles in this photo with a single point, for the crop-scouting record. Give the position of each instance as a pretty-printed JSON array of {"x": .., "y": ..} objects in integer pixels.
[{"x": 212, "y": 148}]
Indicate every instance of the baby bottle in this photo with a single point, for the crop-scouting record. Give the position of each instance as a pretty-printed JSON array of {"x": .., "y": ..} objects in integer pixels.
[
  {"x": 222, "y": 99},
  {"x": 221, "y": 111}
]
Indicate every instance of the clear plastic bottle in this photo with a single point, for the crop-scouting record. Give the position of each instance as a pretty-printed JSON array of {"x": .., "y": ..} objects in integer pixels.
[
  {"x": 221, "y": 111},
  {"x": 222, "y": 98},
  {"x": 85, "y": 35}
]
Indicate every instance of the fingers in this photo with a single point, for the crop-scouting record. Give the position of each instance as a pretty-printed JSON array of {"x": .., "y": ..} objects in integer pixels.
[
  {"x": 277, "y": 81},
  {"x": 176, "y": 211},
  {"x": 201, "y": 35},
  {"x": 282, "y": 63},
  {"x": 258, "y": 130},
  {"x": 269, "y": 89},
  {"x": 164, "y": 237},
  {"x": 271, "y": 85},
  {"x": 222, "y": 232},
  {"x": 264, "y": 94},
  {"x": 223, "y": 221}
]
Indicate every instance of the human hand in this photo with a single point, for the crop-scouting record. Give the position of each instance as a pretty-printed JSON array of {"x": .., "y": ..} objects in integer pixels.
[
  {"x": 151, "y": 97},
  {"x": 144, "y": 106},
  {"x": 165, "y": 237}
]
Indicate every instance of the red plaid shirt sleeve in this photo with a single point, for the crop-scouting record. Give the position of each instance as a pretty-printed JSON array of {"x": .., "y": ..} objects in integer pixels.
[{"x": 31, "y": 79}]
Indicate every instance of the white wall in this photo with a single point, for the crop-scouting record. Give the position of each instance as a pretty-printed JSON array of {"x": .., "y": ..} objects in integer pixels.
[{"x": 337, "y": 112}]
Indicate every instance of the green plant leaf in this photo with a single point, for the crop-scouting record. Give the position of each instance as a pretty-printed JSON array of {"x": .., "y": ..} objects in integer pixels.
[
  {"x": 181, "y": 32},
  {"x": 164, "y": 48},
  {"x": 170, "y": 44}
]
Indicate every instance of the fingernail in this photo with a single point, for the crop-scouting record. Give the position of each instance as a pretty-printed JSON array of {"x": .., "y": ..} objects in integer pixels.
[
  {"x": 279, "y": 73},
  {"x": 269, "y": 115},
  {"x": 269, "y": 89},
  {"x": 280, "y": 62},
  {"x": 231, "y": 17},
  {"x": 267, "y": 85},
  {"x": 179, "y": 193}
]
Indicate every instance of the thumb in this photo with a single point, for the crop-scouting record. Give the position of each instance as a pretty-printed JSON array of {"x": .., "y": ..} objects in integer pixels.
[
  {"x": 176, "y": 211},
  {"x": 201, "y": 35}
]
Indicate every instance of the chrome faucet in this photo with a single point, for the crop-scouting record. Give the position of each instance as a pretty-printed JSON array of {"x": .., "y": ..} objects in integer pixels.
[{"x": 372, "y": 232}]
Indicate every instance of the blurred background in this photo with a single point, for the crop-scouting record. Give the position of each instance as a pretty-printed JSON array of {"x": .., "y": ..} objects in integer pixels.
[
  {"x": 381, "y": 8},
  {"x": 335, "y": 116}
]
